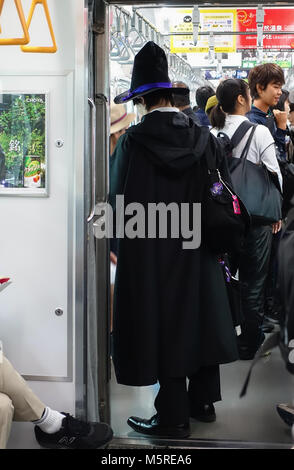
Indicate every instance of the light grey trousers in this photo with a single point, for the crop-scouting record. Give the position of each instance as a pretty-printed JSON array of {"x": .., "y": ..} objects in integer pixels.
[{"x": 17, "y": 401}]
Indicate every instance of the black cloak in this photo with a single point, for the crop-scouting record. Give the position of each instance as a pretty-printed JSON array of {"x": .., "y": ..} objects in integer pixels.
[{"x": 171, "y": 311}]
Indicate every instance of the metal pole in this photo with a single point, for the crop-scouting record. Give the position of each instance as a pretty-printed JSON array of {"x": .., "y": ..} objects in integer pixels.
[
  {"x": 101, "y": 94},
  {"x": 203, "y": 4},
  {"x": 229, "y": 33}
]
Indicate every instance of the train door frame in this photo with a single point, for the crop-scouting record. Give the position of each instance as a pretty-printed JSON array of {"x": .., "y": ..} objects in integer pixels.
[{"x": 100, "y": 93}]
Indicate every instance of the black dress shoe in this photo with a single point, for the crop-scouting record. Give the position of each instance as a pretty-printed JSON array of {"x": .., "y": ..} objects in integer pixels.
[
  {"x": 153, "y": 428},
  {"x": 205, "y": 413}
]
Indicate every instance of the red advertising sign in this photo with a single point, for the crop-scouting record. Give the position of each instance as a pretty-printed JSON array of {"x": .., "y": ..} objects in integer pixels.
[{"x": 275, "y": 20}]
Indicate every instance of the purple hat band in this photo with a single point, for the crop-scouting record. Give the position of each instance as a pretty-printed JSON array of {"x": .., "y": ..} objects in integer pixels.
[{"x": 147, "y": 87}]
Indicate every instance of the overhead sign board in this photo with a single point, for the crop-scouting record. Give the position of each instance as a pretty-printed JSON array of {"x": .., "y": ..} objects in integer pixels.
[
  {"x": 285, "y": 63},
  {"x": 216, "y": 20},
  {"x": 275, "y": 20}
]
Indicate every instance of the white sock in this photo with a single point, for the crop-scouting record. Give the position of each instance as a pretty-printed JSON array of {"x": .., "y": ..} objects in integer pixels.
[{"x": 51, "y": 421}]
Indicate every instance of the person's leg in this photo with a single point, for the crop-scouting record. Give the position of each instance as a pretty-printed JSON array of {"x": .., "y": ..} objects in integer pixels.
[
  {"x": 253, "y": 271},
  {"x": 172, "y": 405},
  {"x": 53, "y": 429},
  {"x": 171, "y": 402},
  {"x": 204, "y": 389},
  {"x": 272, "y": 302},
  {"x": 6, "y": 416},
  {"x": 27, "y": 406}
]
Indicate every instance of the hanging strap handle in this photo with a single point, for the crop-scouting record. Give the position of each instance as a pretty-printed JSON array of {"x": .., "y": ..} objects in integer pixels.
[
  {"x": 46, "y": 49},
  {"x": 16, "y": 41}
]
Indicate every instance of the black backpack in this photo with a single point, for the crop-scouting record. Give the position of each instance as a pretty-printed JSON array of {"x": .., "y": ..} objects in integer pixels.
[
  {"x": 228, "y": 144},
  {"x": 225, "y": 219}
]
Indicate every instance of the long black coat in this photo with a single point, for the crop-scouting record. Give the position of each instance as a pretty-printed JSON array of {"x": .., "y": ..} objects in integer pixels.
[{"x": 171, "y": 312}]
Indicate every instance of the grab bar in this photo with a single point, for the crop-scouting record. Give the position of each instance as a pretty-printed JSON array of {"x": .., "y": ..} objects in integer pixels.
[
  {"x": 102, "y": 191},
  {"x": 93, "y": 158}
]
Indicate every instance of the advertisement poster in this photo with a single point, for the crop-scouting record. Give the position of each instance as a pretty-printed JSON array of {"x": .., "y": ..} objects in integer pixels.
[
  {"x": 224, "y": 74},
  {"x": 215, "y": 20},
  {"x": 202, "y": 59},
  {"x": 283, "y": 59},
  {"x": 275, "y": 20},
  {"x": 23, "y": 162}
]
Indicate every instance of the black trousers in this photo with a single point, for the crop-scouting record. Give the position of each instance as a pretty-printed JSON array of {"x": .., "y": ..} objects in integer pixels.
[
  {"x": 271, "y": 291},
  {"x": 174, "y": 403},
  {"x": 253, "y": 272}
]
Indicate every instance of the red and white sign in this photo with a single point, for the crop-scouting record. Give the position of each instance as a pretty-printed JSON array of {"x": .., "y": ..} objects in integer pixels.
[{"x": 275, "y": 20}]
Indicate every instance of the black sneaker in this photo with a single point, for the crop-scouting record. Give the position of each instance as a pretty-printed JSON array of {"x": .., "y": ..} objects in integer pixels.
[{"x": 75, "y": 434}]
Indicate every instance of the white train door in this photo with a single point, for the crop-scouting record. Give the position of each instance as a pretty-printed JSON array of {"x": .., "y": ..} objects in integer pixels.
[{"x": 42, "y": 229}]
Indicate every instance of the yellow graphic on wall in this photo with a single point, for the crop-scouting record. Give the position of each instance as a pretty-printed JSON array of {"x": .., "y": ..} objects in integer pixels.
[{"x": 211, "y": 20}]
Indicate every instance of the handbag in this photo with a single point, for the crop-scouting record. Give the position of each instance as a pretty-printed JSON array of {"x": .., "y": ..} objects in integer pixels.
[
  {"x": 225, "y": 219},
  {"x": 256, "y": 187}
]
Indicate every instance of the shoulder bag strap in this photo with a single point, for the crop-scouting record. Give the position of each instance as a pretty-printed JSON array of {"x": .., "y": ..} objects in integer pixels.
[
  {"x": 247, "y": 145},
  {"x": 240, "y": 132}
]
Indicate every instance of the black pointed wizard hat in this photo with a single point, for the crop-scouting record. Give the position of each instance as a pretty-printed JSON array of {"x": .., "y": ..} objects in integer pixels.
[{"x": 150, "y": 73}]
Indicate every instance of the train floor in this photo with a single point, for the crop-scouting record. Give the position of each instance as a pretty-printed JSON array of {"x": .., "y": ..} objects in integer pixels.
[{"x": 251, "y": 419}]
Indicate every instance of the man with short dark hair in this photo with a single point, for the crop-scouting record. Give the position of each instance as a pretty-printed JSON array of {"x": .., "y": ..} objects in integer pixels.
[
  {"x": 202, "y": 95},
  {"x": 265, "y": 82},
  {"x": 182, "y": 102}
]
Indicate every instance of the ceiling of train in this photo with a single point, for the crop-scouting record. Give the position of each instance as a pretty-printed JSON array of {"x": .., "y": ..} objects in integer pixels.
[
  {"x": 206, "y": 56},
  {"x": 198, "y": 2}
]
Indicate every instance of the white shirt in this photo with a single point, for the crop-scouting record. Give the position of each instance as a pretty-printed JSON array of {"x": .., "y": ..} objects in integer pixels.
[
  {"x": 165, "y": 109},
  {"x": 262, "y": 147}
]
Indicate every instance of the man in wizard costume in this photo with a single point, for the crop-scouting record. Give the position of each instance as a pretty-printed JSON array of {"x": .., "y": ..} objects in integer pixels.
[{"x": 171, "y": 314}]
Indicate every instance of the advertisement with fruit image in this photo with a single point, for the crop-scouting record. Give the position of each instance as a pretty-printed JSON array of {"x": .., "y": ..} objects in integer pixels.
[{"x": 23, "y": 162}]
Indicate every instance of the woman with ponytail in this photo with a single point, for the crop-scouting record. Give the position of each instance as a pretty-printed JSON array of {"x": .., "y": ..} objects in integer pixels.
[{"x": 234, "y": 102}]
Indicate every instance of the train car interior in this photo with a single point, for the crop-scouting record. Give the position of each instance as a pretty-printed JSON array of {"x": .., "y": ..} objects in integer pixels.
[
  {"x": 207, "y": 60},
  {"x": 55, "y": 314}
]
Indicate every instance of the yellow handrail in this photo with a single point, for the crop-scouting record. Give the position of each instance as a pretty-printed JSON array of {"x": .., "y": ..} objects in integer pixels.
[
  {"x": 16, "y": 41},
  {"x": 52, "y": 48}
]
